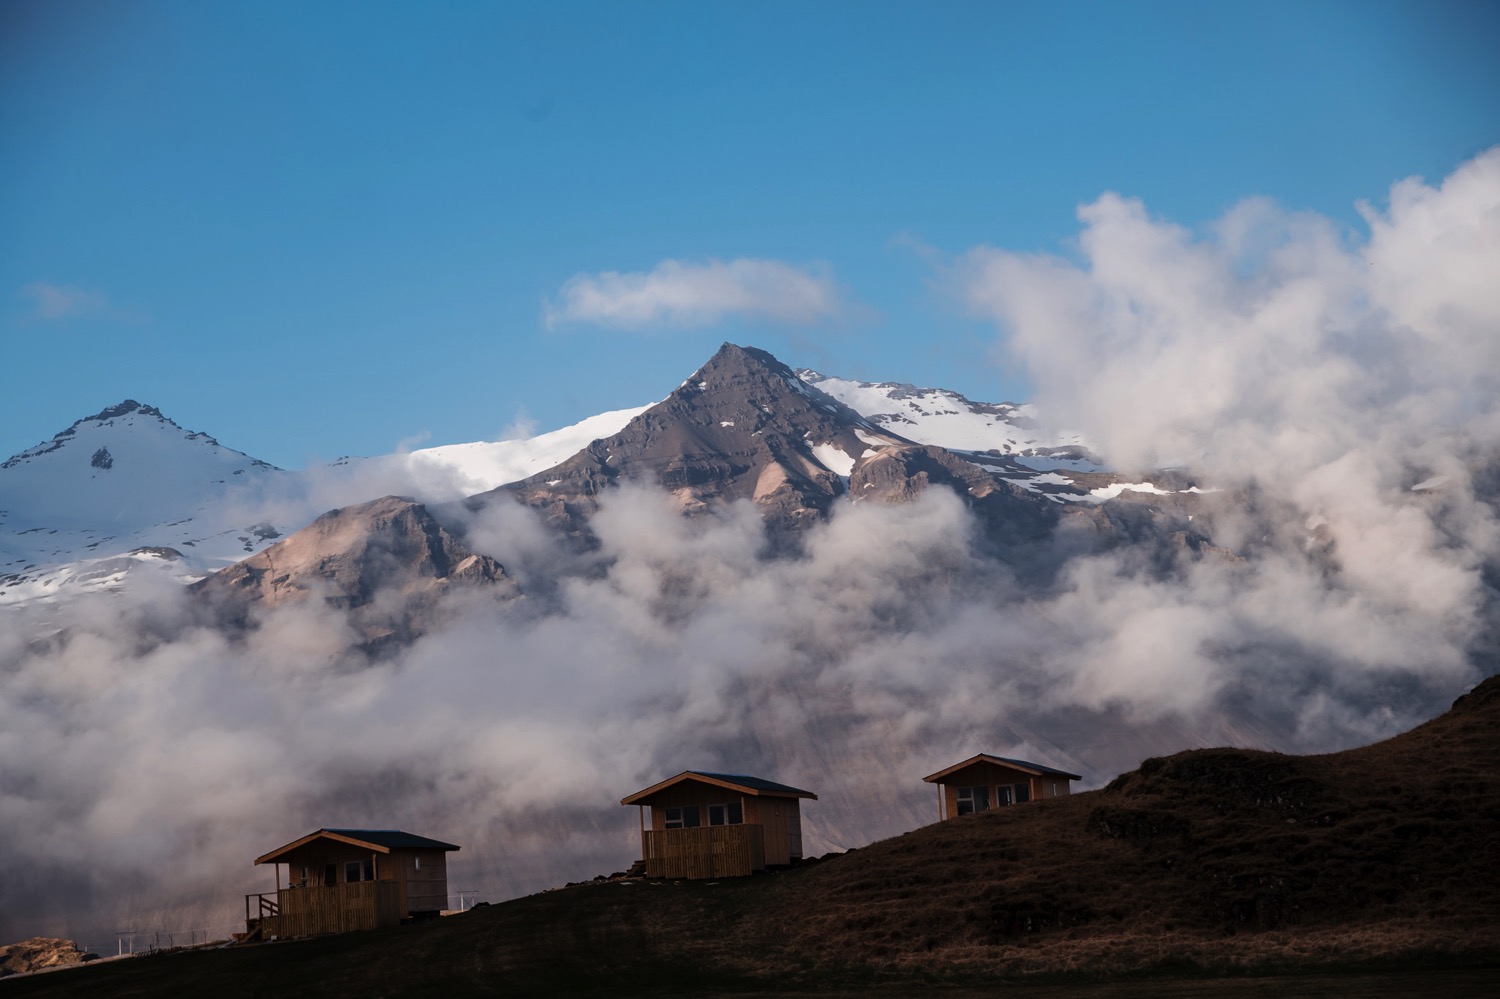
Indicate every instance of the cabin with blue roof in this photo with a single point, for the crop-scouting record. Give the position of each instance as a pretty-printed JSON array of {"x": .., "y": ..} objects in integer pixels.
[
  {"x": 983, "y": 782},
  {"x": 713, "y": 825},
  {"x": 349, "y": 879}
]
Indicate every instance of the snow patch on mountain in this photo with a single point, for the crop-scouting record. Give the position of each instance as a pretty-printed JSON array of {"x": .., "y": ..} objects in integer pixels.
[
  {"x": 949, "y": 420},
  {"x": 833, "y": 458},
  {"x": 466, "y": 469}
]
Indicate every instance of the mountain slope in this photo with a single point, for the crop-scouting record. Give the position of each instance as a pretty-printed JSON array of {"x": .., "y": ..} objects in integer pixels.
[
  {"x": 345, "y": 557},
  {"x": 951, "y": 421},
  {"x": 124, "y": 480},
  {"x": 128, "y": 488}
]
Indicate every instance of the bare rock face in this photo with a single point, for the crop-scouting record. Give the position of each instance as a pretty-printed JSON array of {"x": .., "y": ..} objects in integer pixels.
[
  {"x": 40, "y": 953},
  {"x": 743, "y": 426},
  {"x": 391, "y": 545}
]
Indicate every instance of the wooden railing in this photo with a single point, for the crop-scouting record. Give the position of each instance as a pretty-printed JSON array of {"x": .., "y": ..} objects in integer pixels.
[
  {"x": 704, "y": 851},
  {"x": 307, "y": 912},
  {"x": 259, "y": 924}
]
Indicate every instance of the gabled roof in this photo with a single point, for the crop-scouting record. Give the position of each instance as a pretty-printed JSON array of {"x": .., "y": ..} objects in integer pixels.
[
  {"x": 1024, "y": 766},
  {"x": 744, "y": 783},
  {"x": 376, "y": 840}
]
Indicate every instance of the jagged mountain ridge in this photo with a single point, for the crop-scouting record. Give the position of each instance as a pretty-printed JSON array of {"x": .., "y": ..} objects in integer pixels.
[{"x": 745, "y": 426}]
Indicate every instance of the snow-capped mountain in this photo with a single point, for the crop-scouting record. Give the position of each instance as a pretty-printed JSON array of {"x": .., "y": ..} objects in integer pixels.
[
  {"x": 128, "y": 487},
  {"x": 124, "y": 486},
  {"x": 745, "y": 426},
  {"x": 830, "y": 581}
]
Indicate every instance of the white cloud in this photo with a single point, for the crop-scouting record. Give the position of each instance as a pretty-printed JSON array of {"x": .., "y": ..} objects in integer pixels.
[
  {"x": 1273, "y": 344},
  {"x": 54, "y": 302},
  {"x": 679, "y": 294}
]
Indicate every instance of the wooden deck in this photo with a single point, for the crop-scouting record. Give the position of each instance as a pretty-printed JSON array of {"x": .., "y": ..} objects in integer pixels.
[
  {"x": 309, "y": 912},
  {"x": 704, "y": 852}
]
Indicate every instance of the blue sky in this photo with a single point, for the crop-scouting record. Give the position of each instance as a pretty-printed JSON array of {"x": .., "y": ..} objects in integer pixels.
[{"x": 315, "y": 229}]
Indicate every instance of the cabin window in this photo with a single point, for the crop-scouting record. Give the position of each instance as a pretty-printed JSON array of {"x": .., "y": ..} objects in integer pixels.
[
  {"x": 731, "y": 814},
  {"x": 359, "y": 870},
  {"x": 684, "y": 817},
  {"x": 1002, "y": 795},
  {"x": 1023, "y": 793},
  {"x": 973, "y": 799}
]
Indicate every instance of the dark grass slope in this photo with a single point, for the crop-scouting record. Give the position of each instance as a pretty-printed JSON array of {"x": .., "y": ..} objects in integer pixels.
[
  {"x": 1216, "y": 857},
  {"x": 1370, "y": 870}
]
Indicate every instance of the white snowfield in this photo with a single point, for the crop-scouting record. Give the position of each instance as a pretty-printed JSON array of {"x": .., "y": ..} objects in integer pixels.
[
  {"x": 834, "y": 459},
  {"x": 947, "y": 419},
  {"x": 462, "y": 470}
]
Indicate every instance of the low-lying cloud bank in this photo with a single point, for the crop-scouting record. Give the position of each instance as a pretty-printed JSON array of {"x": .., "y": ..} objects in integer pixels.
[{"x": 146, "y": 759}]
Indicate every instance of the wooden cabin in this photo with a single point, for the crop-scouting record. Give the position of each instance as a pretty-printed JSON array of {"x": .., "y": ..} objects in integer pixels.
[
  {"x": 349, "y": 879},
  {"x": 708, "y": 825},
  {"x": 983, "y": 782}
]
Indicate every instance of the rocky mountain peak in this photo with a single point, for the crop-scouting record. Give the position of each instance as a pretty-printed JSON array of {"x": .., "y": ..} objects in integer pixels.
[
  {"x": 128, "y": 406},
  {"x": 744, "y": 426}
]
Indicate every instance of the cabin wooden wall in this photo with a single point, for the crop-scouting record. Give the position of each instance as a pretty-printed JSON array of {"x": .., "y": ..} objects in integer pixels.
[
  {"x": 701, "y": 795},
  {"x": 705, "y": 852},
  {"x": 990, "y": 775},
  {"x": 782, "y": 820},
  {"x": 418, "y": 890},
  {"x": 424, "y": 889},
  {"x": 315, "y": 856},
  {"x": 309, "y": 912}
]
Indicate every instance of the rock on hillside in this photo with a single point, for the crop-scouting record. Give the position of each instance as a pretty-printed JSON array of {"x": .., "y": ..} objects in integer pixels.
[
  {"x": 345, "y": 556},
  {"x": 40, "y": 953}
]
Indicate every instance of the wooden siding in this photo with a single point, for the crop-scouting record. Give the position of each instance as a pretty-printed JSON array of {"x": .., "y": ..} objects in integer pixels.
[
  {"x": 994, "y": 776},
  {"x": 782, "y": 820},
  {"x": 425, "y": 890},
  {"x": 359, "y": 905},
  {"x": 704, "y": 851},
  {"x": 693, "y": 793}
]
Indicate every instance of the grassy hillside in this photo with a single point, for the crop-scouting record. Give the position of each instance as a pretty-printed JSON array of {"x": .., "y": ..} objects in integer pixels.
[{"x": 1374, "y": 865}]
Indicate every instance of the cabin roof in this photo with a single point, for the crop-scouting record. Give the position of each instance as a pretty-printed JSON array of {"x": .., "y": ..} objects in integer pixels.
[
  {"x": 1025, "y": 766},
  {"x": 377, "y": 840},
  {"x": 754, "y": 786}
]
